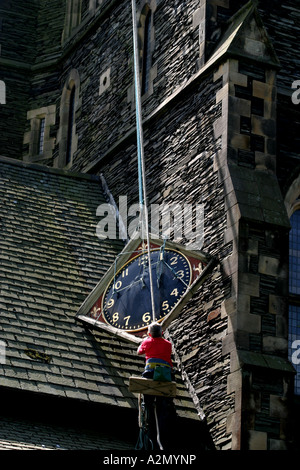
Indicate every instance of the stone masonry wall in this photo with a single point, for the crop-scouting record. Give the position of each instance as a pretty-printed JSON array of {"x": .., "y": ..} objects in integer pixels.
[
  {"x": 17, "y": 54},
  {"x": 105, "y": 114},
  {"x": 212, "y": 142},
  {"x": 257, "y": 225}
]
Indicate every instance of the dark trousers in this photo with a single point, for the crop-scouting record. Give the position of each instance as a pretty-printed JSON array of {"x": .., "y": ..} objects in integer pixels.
[{"x": 161, "y": 416}]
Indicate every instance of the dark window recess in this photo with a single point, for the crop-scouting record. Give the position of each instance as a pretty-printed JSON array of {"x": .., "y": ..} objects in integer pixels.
[
  {"x": 70, "y": 126},
  {"x": 257, "y": 106},
  {"x": 259, "y": 305},
  {"x": 243, "y": 92},
  {"x": 41, "y": 136},
  {"x": 268, "y": 324},
  {"x": 253, "y": 71},
  {"x": 268, "y": 381},
  {"x": 257, "y": 143},
  {"x": 294, "y": 291},
  {"x": 255, "y": 343},
  {"x": 146, "y": 54},
  {"x": 267, "y": 284},
  {"x": 223, "y": 14},
  {"x": 245, "y": 125},
  {"x": 265, "y": 403},
  {"x": 257, "y": 233},
  {"x": 246, "y": 158},
  {"x": 253, "y": 264},
  {"x": 267, "y": 424}
]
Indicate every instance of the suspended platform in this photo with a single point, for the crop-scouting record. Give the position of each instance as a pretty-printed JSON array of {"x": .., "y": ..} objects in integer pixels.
[{"x": 152, "y": 387}]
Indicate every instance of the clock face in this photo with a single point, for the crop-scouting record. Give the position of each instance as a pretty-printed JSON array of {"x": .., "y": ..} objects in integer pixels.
[{"x": 126, "y": 303}]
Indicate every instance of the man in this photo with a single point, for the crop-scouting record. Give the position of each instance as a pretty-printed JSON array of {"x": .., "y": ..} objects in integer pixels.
[
  {"x": 159, "y": 411},
  {"x": 157, "y": 350}
]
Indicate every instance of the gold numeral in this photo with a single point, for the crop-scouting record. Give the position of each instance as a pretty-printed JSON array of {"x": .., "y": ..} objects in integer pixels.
[
  {"x": 165, "y": 305},
  {"x": 174, "y": 292},
  {"x": 174, "y": 260},
  {"x": 115, "y": 317},
  {"x": 180, "y": 274},
  {"x": 126, "y": 319},
  {"x": 110, "y": 303},
  {"x": 118, "y": 284},
  {"x": 146, "y": 317}
]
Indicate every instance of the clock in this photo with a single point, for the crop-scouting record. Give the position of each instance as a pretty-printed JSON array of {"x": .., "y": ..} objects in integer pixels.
[{"x": 126, "y": 302}]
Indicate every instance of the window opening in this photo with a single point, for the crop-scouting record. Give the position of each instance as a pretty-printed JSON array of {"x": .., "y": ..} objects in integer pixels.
[
  {"x": 70, "y": 125},
  {"x": 41, "y": 136},
  {"x": 294, "y": 291},
  {"x": 146, "y": 54}
]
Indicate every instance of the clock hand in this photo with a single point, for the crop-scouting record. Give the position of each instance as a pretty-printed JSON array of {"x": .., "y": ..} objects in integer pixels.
[{"x": 174, "y": 272}]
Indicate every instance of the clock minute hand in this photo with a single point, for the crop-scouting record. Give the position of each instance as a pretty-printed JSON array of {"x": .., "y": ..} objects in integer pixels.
[{"x": 174, "y": 272}]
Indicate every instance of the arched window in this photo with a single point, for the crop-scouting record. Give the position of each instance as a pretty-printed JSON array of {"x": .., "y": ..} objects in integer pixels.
[
  {"x": 146, "y": 40},
  {"x": 67, "y": 137},
  {"x": 71, "y": 120},
  {"x": 38, "y": 141},
  {"x": 146, "y": 58},
  {"x": 41, "y": 141},
  {"x": 294, "y": 296},
  {"x": 72, "y": 17},
  {"x": 2, "y": 92}
]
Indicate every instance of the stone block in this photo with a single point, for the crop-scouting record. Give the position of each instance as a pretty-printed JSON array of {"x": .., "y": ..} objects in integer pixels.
[
  {"x": 232, "y": 323},
  {"x": 277, "y": 304},
  {"x": 234, "y": 381},
  {"x": 278, "y": 407},
  {"x": 222, "y": 93},
  {"x": 198, "y": 16},
  {"x": 268, "y": 265},
  {"x": 230, "y": 265},
  {"x": 264, "y": 161},
  {"x": 249, "y": 322},
  {"x": 240, "y": 141},
  {"x": 233, "y": 215},
  {"x": 220, "y": 127},
  {"x": 252, "y": 246},
  {"x": 277, "y": 444},
  {"x": 237, "y": 78},
  {"x": 264, "y": 91},
  {"x": 258, "y": 440},
  {"x": 221, "y": 72},
  {"x": 249, "y": 284},
  {"x": 274, "y": 345},
  {"x": 269, "y": 110},
  {"x": 262, "y": 126},
  {"x": 229, "y": 306},
  {"x": 228, "y": 344}
]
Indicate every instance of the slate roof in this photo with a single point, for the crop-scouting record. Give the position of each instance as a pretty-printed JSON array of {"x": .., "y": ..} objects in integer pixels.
[{"x": 50, "y": 261}]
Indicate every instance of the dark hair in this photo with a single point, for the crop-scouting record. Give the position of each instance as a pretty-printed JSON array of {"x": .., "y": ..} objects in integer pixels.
[{"x": 155, "y": 330}]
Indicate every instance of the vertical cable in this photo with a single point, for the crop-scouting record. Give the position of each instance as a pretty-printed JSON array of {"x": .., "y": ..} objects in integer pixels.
[{"x": 140, "y": 148}]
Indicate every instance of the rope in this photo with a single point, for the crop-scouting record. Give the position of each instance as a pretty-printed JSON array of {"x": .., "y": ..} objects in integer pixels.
[
  {"x": 140, "y": 148},
  {"x": 140, "y": 410},
  {"x": 157, "y": 428}
]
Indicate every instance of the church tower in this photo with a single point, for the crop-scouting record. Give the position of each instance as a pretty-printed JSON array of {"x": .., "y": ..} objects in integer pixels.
[{"x": 221, "y": 122}]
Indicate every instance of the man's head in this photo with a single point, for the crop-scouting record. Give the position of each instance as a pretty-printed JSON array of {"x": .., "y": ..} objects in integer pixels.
[{"x": 155, "y": 330}]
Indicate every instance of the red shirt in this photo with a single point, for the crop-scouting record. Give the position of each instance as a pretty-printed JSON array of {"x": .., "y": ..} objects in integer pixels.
[{"x": 156, "y": 348}]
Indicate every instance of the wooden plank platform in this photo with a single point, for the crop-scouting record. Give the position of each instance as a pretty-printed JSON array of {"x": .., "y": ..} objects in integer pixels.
[{"x": 152, "y": 387}]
